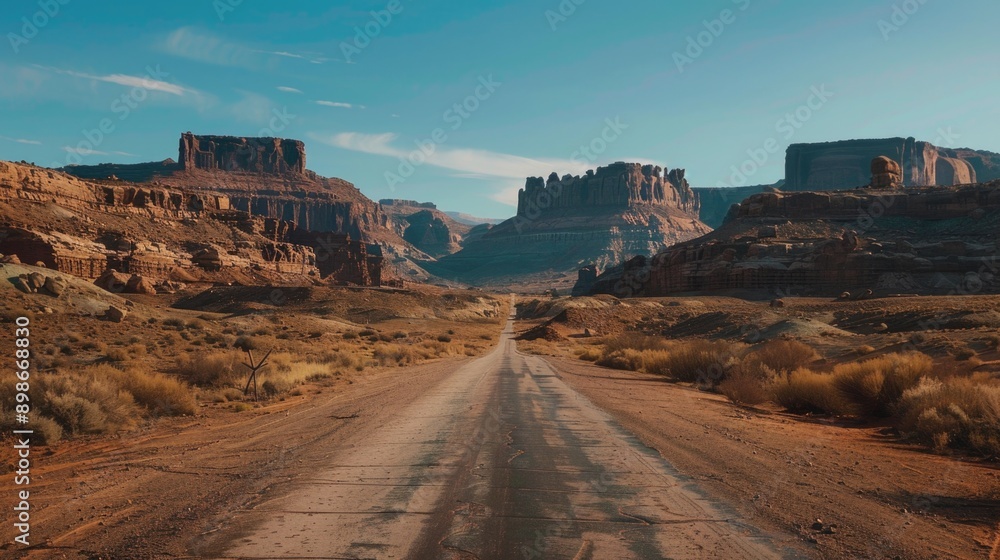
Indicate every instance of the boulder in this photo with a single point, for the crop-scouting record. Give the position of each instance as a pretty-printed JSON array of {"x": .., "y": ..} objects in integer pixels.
[
  {"x": 886, "y": 173},
  {"x": 112, "y": 281},
  {"x": 139, "y": 285},
  {"x": 33, "y": 282},
  {"x": 10, "y": 259},
  {"x": 55, "y": 285},
  {"x": 115, "y": 314}
]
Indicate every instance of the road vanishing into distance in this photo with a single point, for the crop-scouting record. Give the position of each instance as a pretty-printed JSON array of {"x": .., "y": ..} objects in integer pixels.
[{"x": 499, "y": 460}]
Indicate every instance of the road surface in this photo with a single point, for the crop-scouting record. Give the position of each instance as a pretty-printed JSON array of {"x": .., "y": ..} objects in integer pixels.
[{"x": 500, "y": 460}]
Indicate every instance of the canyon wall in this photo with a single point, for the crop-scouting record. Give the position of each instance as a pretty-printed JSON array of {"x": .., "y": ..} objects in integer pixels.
[
  {"x": 253, "y": 155},
  {"x": 918, "y": 240},
  {"x": 846, "y": 164}
]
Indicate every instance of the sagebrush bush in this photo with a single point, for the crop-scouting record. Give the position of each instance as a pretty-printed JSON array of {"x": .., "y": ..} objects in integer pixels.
[
  {"x": 873, "y": 387},
  {"x": 955, "y": 413},
  {"x": 805, "y": 391},
  {"x": 215, "y": 369},
  {"x": 747, "y": 388},
  {"x": 783, "y": 356},
  {"x": 698, "y": 361}
]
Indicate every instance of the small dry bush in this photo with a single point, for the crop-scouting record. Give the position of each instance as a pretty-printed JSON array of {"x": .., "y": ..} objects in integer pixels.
[
  {"x": 873, "y": 387},
  {"x": 805, "y": 391},
  {"x": 626, "y": 359},
  {"x": 955, "y": 413},
  {"x": 783, "y": 356},
  {"x": 589, "y": 354},
  {"x": 160, "y": 394},
  {"x": 215, "y": 369},
  {"x": 634, "y": 341},
  {"x": 746, "y": 389},
  {"x": 697, "y": 361},
  {"x": 100, "y": 399}
]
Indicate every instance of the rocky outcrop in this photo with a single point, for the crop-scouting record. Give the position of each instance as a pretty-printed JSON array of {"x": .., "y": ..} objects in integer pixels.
[
  {"x": 57, "y": 251},
  {"x": 407, "y": 203},
  {"x": 845, "y": 164},
  {"x": 425, "y": 227},
  {"x": 253, "y": 155},
  {"x": 927, "y": 240},
  {"x": 886, "y": 174},
  {"x": 619, "y": 185},
  {"x": 621, "y": 210}
]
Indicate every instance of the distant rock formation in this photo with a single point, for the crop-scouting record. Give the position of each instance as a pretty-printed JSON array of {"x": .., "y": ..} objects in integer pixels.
[
  {"x": 846, "y": 164},
  {"x": 407, "y": 203},
  {"x": 619, "y": 185},
  {"x": 907, "y": 241},
  {"x": 425, "y": 227},
  {"x": 621, "y": 210},
  {"x": 253, "y": 155},
  {"x": 886, "y": 174}
]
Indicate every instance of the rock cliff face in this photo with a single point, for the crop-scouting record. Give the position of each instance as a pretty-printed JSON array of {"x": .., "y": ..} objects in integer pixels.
[
  {"x": 915, "y": 240},
  {"x": 425, "y": 227},
  {"x": 253, "y": 155},
  {"x": 621, "y": 210},
  {"x": 267, "y": 178},
  {"x": 845, "y": 164}
]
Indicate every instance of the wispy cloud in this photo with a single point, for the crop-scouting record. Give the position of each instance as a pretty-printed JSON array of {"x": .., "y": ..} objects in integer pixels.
[
  {"x": 340, "y": 105},
  {"x": 203, "y": 46},
  {"x": 145, "y": 82},
  {"x": 287, "y": 89},
  {"x": 506, "y": 170},
  {"x": 21, "y": 140},
  {"x": 91, "y": 152}
]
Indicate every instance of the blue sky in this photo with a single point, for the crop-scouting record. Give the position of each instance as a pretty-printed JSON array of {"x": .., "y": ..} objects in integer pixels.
[{"x": 479, "y": 95}]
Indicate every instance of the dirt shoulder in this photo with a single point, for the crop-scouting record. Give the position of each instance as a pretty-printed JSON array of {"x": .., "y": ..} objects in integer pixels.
[
  {"x": 783, "y": 472},
  {"x": 160, "y": 492}
]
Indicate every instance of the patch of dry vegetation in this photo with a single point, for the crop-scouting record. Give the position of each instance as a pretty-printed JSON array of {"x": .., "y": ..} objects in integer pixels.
[
  {"x": 100, "y": 399},
  {"x": 952, "y": 413}
]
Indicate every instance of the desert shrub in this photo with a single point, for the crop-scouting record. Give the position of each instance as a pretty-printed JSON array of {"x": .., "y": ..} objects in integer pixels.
[
  {"x": 81, "y": 402},
  {"x": 394, "y": 354},
  {"x": 209, "y": 369},
  {"x": 956, "y": 413},
  {"x": 864, "y": 350},
  {"x": 702, "y": 361},
  {"x": 805, "y": 391},
  {"x": 873, "y": 387},
  {"x": 626, "y": 359},
  {"x": 399, "y": 334},
  {"x": 116, "y": 355},
  {"x": 366, "y": 332},
  {"x": 589, "y": 354},
  {"x": 444, "y": 338},
  {"x": 744, "y": 388},
  {"x": 46, "y": 430},
  {"x": 159, "y": 394},
  {"x": 173, "y": 322},
  {"x": 783, "y": 356},
  {"x": 634, "y": 341},
  {"x": 963, "y": 353},
  {"x": 350, "y": 335}
]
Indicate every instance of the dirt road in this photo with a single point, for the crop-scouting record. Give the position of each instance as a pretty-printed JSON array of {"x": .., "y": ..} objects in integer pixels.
[{"x": 498, "y": 460}]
